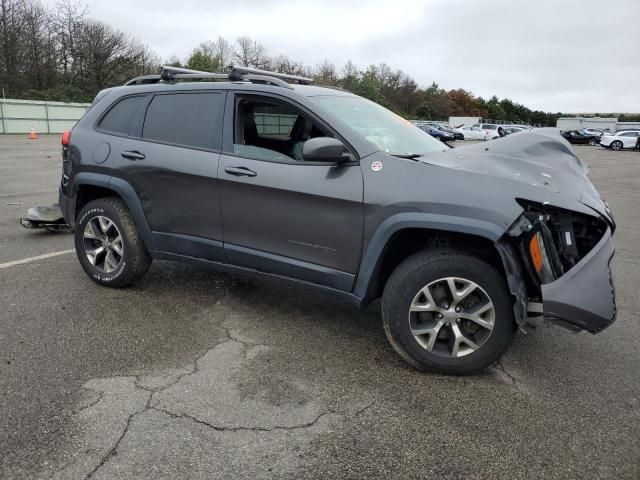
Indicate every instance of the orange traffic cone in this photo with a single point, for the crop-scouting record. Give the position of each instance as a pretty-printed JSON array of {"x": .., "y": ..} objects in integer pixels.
[{"x": 32, "y": 135}]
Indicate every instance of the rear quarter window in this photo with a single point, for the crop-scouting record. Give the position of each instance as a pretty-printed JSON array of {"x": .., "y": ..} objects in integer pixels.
[
  {"x": 120, "y": 117},
  {"x": 186, "y": 119}
]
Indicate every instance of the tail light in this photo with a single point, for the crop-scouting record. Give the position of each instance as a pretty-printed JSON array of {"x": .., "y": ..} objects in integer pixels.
[{"x": 66, "y": 161}]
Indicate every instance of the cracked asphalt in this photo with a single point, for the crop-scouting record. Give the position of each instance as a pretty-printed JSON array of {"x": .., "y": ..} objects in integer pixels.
[{"x": 198, "y": 374}]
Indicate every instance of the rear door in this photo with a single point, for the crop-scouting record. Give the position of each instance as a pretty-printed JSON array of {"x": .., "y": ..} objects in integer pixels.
[
  {"x": 171, "y": 159},
  {"x": 281, "y": 214}
]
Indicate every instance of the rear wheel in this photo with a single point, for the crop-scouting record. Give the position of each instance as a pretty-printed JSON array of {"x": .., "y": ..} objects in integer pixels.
[
  {"x": 617, "y": 145},
  {"x": 592, "y": 142},
  {"x": 449, "y": 312},
  {"x": 108, "y": 245}
]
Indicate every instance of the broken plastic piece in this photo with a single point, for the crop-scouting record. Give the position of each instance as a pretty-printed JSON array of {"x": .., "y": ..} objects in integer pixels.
[{"x": 49, "y": 218}]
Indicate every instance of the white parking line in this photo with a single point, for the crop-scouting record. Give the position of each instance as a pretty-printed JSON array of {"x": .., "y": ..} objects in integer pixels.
[{"x": 34, "y": 259}]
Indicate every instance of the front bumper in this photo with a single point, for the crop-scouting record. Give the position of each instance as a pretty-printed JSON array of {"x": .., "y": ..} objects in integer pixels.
[
  {"x": 584, "y": 296},
  {"x": 68, "y": 208}
]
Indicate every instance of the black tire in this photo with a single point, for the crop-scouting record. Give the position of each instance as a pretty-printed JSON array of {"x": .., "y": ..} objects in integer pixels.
[
  {"x": 135, "y": 260},
  {"x": 592, "y": 142},
  {"x": 427, "y": 266},
  {"x": 617, "y": 145}
]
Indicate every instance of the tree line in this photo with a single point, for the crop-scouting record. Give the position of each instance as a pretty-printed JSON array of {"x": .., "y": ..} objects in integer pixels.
[
  {"x": 63, "y": 54},
  {"x": 381, "y": 83}
]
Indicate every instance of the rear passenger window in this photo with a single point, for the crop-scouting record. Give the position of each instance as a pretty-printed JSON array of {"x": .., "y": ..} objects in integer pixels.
[
  {"x": 122, "y": 115},
  {"x": 190, "y": 119}
]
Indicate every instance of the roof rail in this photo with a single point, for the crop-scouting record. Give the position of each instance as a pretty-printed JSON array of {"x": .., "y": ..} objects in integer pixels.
[
  {"x": 335, "y": 87},
  {"x": 144, "y": 79}
]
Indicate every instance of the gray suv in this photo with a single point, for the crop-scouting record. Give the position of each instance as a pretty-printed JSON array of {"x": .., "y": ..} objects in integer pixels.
[{"x": 262, "y": 172}]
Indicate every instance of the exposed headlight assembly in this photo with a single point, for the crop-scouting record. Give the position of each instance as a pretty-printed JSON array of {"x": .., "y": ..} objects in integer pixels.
[
  {"x": 552, "y": 240},
  {"x": 543, "y": 255}
]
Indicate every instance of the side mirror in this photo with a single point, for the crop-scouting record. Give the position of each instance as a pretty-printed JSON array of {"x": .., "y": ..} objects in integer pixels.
[{"x": 324, "y": 149}]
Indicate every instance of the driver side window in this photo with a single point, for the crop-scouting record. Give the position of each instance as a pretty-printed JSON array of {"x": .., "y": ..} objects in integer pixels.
[{"x": 267, "y": 129}]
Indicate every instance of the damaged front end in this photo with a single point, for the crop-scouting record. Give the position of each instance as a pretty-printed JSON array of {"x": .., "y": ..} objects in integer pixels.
[{"x": 565, "y": 257}]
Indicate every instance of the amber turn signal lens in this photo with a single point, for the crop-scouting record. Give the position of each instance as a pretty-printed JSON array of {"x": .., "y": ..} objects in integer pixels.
[{"x": 536, "y": 254}]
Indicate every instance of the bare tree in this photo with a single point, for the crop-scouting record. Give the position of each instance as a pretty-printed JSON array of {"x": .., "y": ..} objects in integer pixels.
[
  {"x": 250, "y": 53},
  {"x": 224, "y": 51},
  {"x": 70, "y": 14},
  {"x": 11, "y": 31}
]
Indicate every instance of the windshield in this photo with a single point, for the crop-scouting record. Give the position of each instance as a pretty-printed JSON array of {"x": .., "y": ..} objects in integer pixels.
[{"x": 389, "y": 132}]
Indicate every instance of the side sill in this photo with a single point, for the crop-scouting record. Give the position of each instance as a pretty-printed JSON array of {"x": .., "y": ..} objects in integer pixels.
[
  {"x": 288, "y": 267},
  {"x": 250, "y": 272}
]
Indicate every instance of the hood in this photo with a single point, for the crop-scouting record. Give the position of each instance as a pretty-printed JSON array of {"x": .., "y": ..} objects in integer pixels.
[{"x": 540, "y": 158}]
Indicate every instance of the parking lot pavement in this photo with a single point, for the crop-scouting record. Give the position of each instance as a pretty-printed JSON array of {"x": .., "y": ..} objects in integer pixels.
[
  {"x": 198, "y": 374},
  {"x": 29, "y": 175}
]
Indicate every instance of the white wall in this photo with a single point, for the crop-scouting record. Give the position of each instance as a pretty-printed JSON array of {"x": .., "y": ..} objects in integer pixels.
[
  {"x": 20, "y": 116},
  {"x": 579, "y": 123}
]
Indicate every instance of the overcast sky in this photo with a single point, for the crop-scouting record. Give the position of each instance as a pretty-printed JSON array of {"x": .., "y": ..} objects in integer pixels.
[{"x": 553, "y": 55}]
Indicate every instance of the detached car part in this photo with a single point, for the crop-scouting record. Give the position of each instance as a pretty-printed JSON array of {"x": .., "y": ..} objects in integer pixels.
[{"x": 48, "y": 218}]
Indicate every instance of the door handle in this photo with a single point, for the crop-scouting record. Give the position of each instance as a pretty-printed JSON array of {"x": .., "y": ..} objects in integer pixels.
[
  {"x": 240, "y": 171},
  {"x": 133, "y": 155}
]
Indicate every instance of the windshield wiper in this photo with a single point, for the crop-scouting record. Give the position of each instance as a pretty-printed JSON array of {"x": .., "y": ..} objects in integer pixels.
[{"x": 410, "y": 156}]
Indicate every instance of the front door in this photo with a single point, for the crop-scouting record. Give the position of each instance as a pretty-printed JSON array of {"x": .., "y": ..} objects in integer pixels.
[{"x": 281, "y": 214}]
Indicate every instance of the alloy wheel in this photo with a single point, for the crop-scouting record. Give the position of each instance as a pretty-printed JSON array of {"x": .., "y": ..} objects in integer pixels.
[
  {"x": 451, "y": 317},
  {"x": 103, "y": 244},
  {"x": 616, "y": 145}
]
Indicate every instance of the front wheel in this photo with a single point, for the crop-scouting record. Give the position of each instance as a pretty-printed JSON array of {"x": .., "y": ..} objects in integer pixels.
[
  {"x": 449, "y": 312},
  {"x": 617, "y": 145},
  {"x": 108, "y": 245}
]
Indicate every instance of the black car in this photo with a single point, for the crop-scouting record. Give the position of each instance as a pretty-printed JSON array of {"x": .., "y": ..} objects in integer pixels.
[
  {"x": 577, "y": 137},
  {"x": 437, "y": 133},
  {"x": 456, "y": 135},
  {"x": 264, "y": 174}
]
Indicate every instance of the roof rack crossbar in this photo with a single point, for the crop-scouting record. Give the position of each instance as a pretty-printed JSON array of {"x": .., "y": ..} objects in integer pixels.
[
  {"x": 169, "y": 73},
  {"x": 241, "y": 71},
  {"x": 203, "y": 76}
]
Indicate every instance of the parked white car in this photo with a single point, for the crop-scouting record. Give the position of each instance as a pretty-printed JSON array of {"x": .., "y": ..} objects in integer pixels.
[
  {"x": 620, "y": 140},
  {"x": 471, "y": 133},
  {"x": 490, "y": 128},
  {"x": 518, "y": 125},
  {"x": 594, "y": 131},
  {"x": 514, "y": 129}
]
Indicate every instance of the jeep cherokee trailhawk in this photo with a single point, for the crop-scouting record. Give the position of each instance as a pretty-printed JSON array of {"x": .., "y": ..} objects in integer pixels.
[{"x": 262, "y": 172}]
